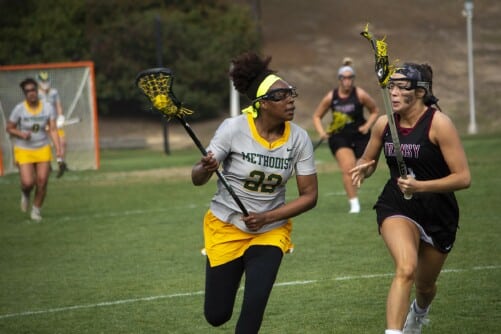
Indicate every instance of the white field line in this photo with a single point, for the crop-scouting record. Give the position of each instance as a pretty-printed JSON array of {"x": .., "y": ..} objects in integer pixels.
[
  {"x": 138, "y": 212},
  {"x": 197, "y": 293}
]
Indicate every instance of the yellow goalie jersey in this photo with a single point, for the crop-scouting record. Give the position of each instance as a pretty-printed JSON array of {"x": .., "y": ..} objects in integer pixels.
[{"x": 256, "y": 169}]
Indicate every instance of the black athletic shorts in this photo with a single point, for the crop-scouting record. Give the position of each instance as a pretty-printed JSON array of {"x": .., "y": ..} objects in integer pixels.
[
  {"x": 437, "y": 213},
  {"x": 354, "y": 140}
]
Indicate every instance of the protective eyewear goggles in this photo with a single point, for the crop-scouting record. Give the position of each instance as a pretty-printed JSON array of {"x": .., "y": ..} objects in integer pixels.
[
  {"x": 279, "y": 94},
  {"x": 407, "y": 84},
  {"x": 348, "y": 77}
]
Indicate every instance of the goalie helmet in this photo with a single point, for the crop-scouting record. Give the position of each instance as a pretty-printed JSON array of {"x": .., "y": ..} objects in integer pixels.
[
  {"x": 44, "y": 80},
  {"x": 43, "y": 76}
]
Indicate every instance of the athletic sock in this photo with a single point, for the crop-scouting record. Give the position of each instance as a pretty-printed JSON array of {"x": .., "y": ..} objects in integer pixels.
[
  {"x": 354, "y": 205},
  {"x": 392, "y": 331},
  {"x": 35, "y": 209},
  {"x": 418, "y": 309}
]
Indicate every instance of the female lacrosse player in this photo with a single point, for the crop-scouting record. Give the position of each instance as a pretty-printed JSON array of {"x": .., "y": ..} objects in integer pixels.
[
  {"x": 51, "y": 95},
  {"x": 32, "y": 151},
  {"x": 259, "y": 152},
  {"x": 419, "y": 232},
  {"x": 349, "y": 131}
]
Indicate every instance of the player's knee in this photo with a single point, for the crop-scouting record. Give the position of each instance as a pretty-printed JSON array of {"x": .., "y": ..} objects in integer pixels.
[
  {"x": 406, "y": 272},
  {"x": 41, "y": 185},
  {"x": 217, "y": 318},
  {"x": 27, "y": 186}
]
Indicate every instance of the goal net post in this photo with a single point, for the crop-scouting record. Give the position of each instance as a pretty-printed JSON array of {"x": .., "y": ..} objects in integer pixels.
[{"x": 75, "y": 84}]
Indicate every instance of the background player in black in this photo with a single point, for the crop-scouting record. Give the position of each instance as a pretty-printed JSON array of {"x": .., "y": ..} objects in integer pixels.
[
  {"x": 349, "y": 131},
  {"x": 419, "y": 232}
]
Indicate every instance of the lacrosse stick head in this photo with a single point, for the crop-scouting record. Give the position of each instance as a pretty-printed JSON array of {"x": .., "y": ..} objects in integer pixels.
[
  {"x": 383, "y": 67},
  {"x": 156, "y": 84}
]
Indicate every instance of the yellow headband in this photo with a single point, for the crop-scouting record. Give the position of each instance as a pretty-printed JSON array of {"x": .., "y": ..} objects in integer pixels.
[{"x": 264, "y": 86}]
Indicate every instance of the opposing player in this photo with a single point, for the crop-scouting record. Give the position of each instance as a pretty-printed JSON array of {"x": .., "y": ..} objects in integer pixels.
[
  {"x": 259, "y": 152},
  {"x": 420, "y": 232},
  {"x": 349, "y": 131},
  {"x": 50, "y": 95},
  {"x": 28, "y": 124}
]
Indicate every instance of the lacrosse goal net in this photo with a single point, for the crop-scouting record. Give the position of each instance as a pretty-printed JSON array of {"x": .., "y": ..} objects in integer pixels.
[{"x": 75, "y": 84}]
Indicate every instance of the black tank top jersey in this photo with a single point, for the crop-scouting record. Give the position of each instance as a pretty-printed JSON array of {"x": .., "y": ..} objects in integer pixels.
[
  {"x": 422, "y": 158},
  {"x": 437, "y": 213},
  {"x": 350, "y": 106}
]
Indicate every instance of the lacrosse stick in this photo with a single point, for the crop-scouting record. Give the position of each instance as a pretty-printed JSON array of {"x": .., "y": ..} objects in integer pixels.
[
  {"x": 156, "y": 84},
  {"x": 318, "y": 143},
  {"x": 383, "y": 72},
  {"x": 72, "y": 121}
]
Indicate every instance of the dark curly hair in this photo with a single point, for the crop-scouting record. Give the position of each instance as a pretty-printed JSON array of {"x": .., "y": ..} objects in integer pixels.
[
  {"x": 28, "y": 81},
  {"x": 248, "y": 71}
]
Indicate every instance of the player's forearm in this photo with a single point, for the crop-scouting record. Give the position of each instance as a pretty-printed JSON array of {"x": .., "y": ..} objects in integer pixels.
[
  {"x": 372, "y": 118},
  {"x": 367, "y": 171},
  {"x": 59, "y": 109},
  {"x": 56, "y": 140},
  {"x": 450, "y": 183},
  {"x": 308, "y": 195},
  {"x": 200, "y": 175},
  {"x": 291, "y": 209},
  {"x": 317, "y": 123},
  {"x": 13, "y": 131}
]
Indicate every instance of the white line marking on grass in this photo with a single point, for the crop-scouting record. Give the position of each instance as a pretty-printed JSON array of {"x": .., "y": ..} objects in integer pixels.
[
  {"x": 138, "y": 212},
  {"x": 347, "y": 278},
  {"x": 197, "y": 293},
  {"x": 117, "y": 302},
  {"x": 335, "y": 193},
  {"x": 296, "y": 283}
]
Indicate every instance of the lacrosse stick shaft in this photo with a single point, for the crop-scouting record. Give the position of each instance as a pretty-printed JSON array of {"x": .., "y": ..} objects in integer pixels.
[
  {"x": 383, "y": 73},
  {"x": 72, "y": 121},
  {"x": 402, "y": 168},
  {"x": 318, "y": 143},
  {"x": 221, "y": 177}
]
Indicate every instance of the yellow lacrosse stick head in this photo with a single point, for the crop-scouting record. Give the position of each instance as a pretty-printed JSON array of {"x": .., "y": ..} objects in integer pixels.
[
  {"x": 156, "y": 84},
  {"x": 382, "y": 65}
]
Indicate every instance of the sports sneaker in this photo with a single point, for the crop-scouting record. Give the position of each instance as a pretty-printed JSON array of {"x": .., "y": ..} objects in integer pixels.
[
  {"x": 355, "y": 210},
  {"x": 415, "y": 321},
  {"x": 35, "y": 214},
  {"x": 25, "y": 202}
]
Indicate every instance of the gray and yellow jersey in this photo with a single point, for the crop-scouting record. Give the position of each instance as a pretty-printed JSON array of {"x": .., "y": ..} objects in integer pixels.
[
  {"x": 34, "y": 120},
  {"x": 256, "y": 169},
  {"x": 52, "y": 96}
]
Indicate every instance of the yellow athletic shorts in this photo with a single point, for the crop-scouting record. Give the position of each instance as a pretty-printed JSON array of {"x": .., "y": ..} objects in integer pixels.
[
  {"x": 224, "y": 242},
  {"x": 30, "y": 156}
]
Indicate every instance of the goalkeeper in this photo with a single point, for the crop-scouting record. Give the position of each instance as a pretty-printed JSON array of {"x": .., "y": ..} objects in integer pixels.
[{"x": 49, "y": 94}]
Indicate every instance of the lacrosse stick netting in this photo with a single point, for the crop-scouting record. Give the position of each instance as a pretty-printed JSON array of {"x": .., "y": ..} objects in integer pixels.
[{"x": 156, "y": 84}]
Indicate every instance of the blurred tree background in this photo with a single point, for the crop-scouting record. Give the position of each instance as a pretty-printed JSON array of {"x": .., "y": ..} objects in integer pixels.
[{"x": 196, "y": 39}]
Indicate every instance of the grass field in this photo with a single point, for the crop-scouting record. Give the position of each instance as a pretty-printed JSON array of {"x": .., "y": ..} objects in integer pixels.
[{"x": 118, "y": 251}]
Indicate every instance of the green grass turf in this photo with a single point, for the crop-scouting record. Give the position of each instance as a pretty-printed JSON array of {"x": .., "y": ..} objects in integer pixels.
[{"x": 118, "y": 251}]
